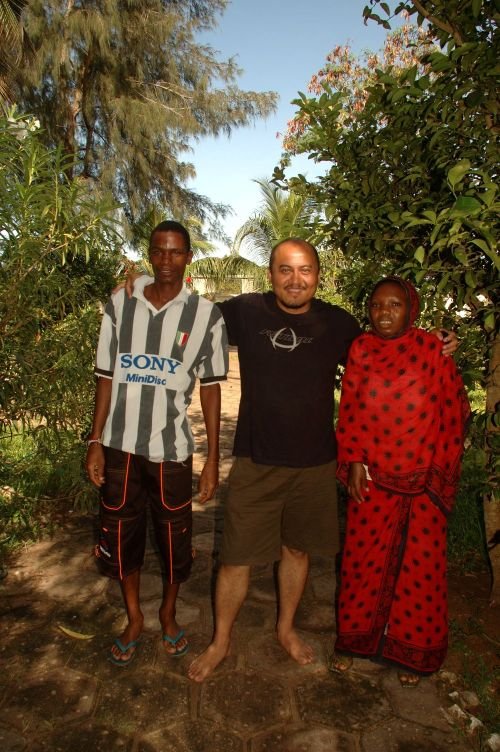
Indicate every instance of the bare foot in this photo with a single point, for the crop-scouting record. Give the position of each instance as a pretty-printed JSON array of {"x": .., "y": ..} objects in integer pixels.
[
  {"x": 295, "y": 647},
  {"x": 128, "y": 638},
  {"x": 207, "y": 662}
]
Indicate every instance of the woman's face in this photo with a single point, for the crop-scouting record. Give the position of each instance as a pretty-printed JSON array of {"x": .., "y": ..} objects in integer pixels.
[{"x": 389, "y": 310}]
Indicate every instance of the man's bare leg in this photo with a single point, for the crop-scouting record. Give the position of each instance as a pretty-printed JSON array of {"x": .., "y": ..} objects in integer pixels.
[
  {"x": 168, "y": 621},
  {"x": 292, "y": 576},
  {"x": 230, "y": 592},
  {"x": 130, "y": 591}
]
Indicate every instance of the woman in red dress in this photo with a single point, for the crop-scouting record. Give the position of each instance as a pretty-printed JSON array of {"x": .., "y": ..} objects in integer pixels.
[{"x": 402, "y": 420}]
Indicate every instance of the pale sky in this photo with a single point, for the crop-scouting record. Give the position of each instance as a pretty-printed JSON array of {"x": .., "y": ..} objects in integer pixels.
[{"x": 279, "y": 44}]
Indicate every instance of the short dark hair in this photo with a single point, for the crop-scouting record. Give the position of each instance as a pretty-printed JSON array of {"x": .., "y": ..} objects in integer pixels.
[
  {"x": 170, "y": 225},
  {"x": 298, "y": 241}
]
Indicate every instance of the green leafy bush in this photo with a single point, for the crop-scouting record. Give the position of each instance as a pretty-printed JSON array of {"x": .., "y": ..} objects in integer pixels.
[{"x": 59, "y": 253}]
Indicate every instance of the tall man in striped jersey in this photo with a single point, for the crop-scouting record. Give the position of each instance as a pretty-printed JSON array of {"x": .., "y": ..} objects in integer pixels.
[{"x": 151, "y": 349}]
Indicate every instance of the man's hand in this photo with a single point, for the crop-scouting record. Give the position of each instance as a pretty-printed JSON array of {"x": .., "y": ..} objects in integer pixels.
[
  {"x": 128, "y": 284},
  {"x": 357, "y": 484},
  {"x": 209, "y": 480},
  {"x": 449, "y": 340},
  {"x": 95, "y": 464}
]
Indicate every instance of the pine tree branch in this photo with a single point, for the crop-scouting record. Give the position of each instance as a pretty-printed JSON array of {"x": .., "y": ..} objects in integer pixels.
[
  {"x": 167, "y": 108},
  {"x": 176, "y": 90}
]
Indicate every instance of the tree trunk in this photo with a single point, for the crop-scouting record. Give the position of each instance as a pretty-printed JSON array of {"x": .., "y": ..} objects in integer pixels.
[{"x": 491, "y": 497}]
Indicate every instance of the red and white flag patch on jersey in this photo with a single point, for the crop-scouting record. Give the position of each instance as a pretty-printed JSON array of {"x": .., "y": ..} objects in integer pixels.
[{"x": 182, "y": 338}]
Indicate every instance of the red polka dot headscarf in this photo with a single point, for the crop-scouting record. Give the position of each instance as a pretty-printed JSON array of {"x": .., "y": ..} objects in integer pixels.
[{"x": 411, "y": 294}]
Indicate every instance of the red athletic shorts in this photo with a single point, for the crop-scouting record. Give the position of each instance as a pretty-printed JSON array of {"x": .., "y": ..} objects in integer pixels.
[{"x": 133, "y": 484}]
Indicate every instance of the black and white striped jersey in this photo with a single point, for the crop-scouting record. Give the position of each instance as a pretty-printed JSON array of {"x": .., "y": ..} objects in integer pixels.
[{"x": 154, "y": 358}]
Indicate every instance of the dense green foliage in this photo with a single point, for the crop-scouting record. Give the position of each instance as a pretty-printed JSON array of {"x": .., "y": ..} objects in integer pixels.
[{"x": 59, "y": 253}]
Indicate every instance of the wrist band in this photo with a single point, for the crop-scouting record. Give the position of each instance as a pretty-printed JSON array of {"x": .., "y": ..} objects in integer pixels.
[{"x": 93, "y": 441}]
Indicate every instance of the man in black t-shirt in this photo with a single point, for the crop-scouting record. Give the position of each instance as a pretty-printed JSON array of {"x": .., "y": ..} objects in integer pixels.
[{"x": 282, "y": 501}]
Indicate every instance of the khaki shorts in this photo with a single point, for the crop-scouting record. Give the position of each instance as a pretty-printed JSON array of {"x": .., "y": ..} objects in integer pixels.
[{"x": 270, "y": 506}]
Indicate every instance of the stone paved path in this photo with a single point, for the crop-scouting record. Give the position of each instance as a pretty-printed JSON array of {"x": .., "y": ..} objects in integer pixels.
[{"x": 60, "y": 693}]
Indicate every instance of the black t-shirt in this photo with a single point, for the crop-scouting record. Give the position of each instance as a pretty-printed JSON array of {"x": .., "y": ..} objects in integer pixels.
[{"x": 288, "y": 364}]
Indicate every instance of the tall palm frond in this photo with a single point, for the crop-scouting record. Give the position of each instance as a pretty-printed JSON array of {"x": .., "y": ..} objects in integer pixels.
[
  {"x": 282, "y": 214},
  {"x": 257, "y": 230}
]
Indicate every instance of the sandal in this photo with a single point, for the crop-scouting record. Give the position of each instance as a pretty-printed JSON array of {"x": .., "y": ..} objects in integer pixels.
[
  {"x": 130, "y": 648},
  {"x": 339, "y": 663},
  {"x": 174, "y": 641},
  {"x": 408, "y": 680}
]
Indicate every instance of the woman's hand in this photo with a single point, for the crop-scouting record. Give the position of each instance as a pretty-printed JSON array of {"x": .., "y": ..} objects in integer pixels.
[
  {"x": 357, "y": 483},
  {"x": 449, "y": 340}
]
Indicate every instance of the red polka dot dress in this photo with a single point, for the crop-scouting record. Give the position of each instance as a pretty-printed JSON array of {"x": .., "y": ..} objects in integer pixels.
[{"x": 403, "y": 414}]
